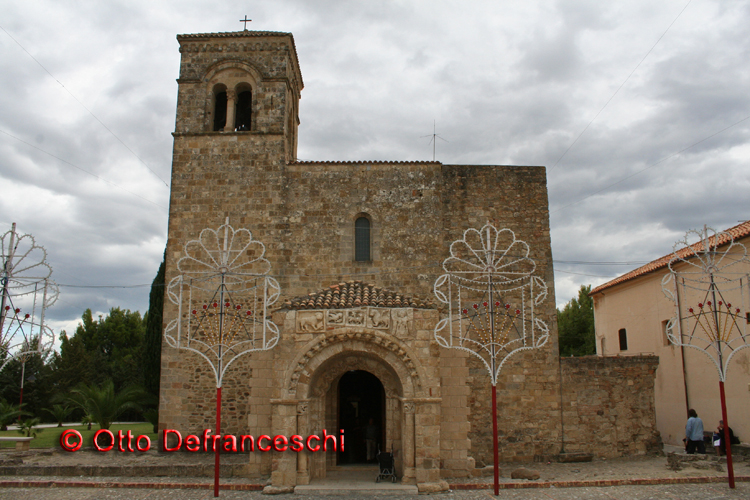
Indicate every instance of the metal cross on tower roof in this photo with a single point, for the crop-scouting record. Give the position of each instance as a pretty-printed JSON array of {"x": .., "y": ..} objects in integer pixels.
[{"x": 246, "y": 20}]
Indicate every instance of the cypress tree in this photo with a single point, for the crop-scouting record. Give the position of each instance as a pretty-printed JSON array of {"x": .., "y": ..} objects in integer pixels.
[{"x": 152, "y": 353}]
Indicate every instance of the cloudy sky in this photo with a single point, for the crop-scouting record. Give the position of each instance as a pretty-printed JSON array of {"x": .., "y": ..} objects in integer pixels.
[{"x": 640, "y": 111}]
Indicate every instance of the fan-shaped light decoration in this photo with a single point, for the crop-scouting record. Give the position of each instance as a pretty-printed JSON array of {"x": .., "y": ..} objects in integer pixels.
[
  {"x": 26, "y": 292},
  {"x": 223, "y": 294},
  {"x": 491, "y": 296},
  {"x": 711, "y": 293}
]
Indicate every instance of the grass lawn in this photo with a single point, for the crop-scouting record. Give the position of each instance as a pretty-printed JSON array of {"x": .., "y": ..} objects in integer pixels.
[{"x": 49, "y": 437}]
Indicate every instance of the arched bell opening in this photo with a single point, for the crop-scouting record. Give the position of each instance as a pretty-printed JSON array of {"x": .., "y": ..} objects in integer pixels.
[
  {"x": 243, "y": 108},
  {"x": 219, "y": 107}
]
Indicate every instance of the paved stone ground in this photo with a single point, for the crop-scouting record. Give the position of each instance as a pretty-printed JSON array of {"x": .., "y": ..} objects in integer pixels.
[
  {"x": 650, "y": 469},
  {"x": 660, "y": 492}
]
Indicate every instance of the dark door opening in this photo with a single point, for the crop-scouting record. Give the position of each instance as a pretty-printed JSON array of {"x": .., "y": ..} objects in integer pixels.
[{"x": 362, "y": 416}]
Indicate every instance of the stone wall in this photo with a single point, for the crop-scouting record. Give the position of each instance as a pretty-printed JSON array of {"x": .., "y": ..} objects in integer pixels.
[
  {"x": 608, "y": 405},
  {"x": 528, "y": 408}
]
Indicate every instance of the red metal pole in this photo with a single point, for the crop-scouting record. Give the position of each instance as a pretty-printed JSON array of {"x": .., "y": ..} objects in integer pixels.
[
  {"x": 20, "y": 406},
  {"x": 218, "y": 448},
  {"x": 20, "y": 402},
  {"x": 727, "y": 441},
  {"x": 494, "y": 439}
]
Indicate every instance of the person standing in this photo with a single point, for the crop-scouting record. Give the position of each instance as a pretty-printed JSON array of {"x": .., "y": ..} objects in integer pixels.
[
  {"x": 694, "y": 434},
  {"x": 371, "y": 439}
]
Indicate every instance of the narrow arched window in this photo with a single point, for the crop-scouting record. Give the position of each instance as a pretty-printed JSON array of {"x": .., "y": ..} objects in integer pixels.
[
  {"x": 243, "y": 109},
  {"x": 623, "y": 339},
  {"x": 220, "y": 111},
  {"x": 362, "y": 239}
]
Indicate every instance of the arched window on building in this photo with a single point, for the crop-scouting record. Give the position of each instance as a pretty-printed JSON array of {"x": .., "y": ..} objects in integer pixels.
[
  {"x": 220, "y": 110},
  {"x": 243, "y": 110},
  {"x": 362, "y": 239},
  {"x": 623, "y": 339}
]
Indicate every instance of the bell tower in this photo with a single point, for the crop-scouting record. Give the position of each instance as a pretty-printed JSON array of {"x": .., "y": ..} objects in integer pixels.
[
  {"x": 235, "y": 134},
  {"x": 240, "y": 86}
]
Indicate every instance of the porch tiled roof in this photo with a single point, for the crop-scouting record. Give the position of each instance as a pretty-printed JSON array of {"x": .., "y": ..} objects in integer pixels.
[
  {"x": 355, "y": 294},
  {"x": 739, "y": 231}
]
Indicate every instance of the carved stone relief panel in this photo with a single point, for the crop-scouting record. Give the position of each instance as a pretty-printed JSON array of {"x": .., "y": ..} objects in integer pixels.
[
  {"x": 335, "y": 317},
  {"x": 355, "y": 317},
  {"x": 403, "y": 319},
  {"x": 379, "y": 318},
  {"x": 310, "y": 321}
]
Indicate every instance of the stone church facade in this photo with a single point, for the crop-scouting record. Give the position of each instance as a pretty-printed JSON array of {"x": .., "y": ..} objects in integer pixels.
[{"x": 356, "y": 248}]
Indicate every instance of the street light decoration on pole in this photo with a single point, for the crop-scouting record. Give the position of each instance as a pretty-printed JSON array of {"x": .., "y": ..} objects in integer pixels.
[
  {"x": 492, "y": 299},
  {"x": 223, "y": 296},
  {"x": 26, "y": 292},
  {"x": 710, "y": 290}
]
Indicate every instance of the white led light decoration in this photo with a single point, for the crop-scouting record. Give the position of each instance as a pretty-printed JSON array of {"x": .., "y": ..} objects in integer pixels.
[
  {"x": 26, "y": 292},
  {"x": 710, "y": 289},
  {"x": 492, "y": 297},
  {"x": 223, "y": 295}
]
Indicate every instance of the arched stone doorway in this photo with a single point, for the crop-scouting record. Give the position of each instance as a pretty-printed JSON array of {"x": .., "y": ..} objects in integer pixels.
[
  {"x": 310, "y": 400},
  {"x": 324, "y": 405},
  {"x": 312, "y": 389}
]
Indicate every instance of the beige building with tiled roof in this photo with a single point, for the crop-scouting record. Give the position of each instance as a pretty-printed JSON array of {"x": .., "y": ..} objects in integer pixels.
[
  {"x": 631, "y": 314},
  {"x": 356, "y": 247}
]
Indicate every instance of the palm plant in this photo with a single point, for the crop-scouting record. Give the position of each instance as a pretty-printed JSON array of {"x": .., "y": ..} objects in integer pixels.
[
  {"x": 60, "y": 413},
  {"x": 9, "y": 413},
  {"x": 87, "y": 420},
  {"x": 103, "y": 404},
  {"x": 27, "y": 427}
]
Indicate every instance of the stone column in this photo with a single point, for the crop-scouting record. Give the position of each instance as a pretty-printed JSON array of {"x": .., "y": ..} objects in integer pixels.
[
  {"x": 407, "y": 439},
  {"x": 393, "y": 442},
  {"x": 284, "y": 422},
  {"x": 231, "y": 100},
  {"x": 427, "y": 445},
  {"x": 303, "y": 465}
]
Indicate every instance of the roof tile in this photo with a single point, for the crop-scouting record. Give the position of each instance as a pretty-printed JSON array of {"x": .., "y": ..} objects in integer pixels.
[
  {"x": 355, "y": 294},
  {"x": 737, "y": 232}
]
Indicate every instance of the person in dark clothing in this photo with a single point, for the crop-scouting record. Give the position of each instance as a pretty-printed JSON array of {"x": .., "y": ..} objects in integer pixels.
[
  {"x": 721, "y": 447},
  {"x": 371, "y": 439}
]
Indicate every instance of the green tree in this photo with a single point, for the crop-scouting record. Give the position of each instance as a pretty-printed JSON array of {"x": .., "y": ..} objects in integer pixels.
[
  {"x": 575, "y": 325},
  {"x": 108, "y": 349},
  {"x": 152, "y": 343},
  {"x": 103, "y": 404}
]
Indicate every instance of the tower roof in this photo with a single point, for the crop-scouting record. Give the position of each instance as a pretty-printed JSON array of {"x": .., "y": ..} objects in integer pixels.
[
  {"x": 231, "y": 34},
  {"x": 198, "y": 37}
]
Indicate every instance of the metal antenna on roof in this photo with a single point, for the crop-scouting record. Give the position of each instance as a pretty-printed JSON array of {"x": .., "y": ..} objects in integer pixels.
[
  {"x": 246, "y": 20},
  {"x": 433, "y": 141}
]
